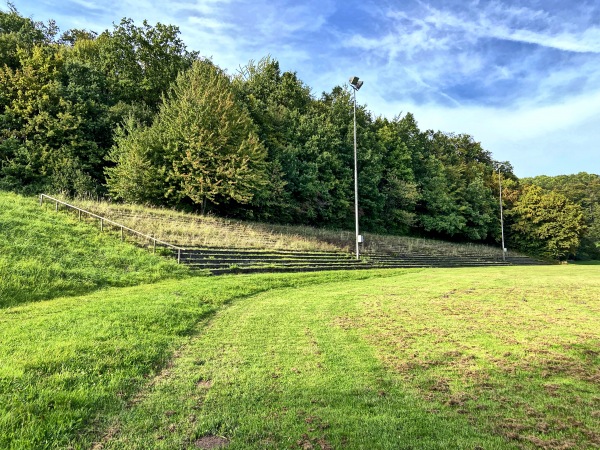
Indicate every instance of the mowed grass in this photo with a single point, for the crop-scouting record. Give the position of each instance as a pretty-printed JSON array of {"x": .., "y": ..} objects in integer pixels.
[
  {"x": 69, "y": 365},
  {"x": 44, "y": 254},
  {"x": 487, "y": 358}
]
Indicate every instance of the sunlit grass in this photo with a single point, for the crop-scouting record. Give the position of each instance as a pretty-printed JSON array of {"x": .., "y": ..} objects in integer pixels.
[
  {"x": 69, "y": 365},
  {"x": 44, "y": 255},
  {"x": 433, "y": 359},
  {"x": 209, "y": 231}
]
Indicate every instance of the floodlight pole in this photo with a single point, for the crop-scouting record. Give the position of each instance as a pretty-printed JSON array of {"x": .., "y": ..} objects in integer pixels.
[
  {"x": 501, "y": 213},
  {"x": 356, "y": 84}
]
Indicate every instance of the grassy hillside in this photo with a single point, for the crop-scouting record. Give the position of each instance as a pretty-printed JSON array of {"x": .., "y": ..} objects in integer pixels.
[
  {"x": 44, "y": 255},
  {"x": 494, "y": 358}
]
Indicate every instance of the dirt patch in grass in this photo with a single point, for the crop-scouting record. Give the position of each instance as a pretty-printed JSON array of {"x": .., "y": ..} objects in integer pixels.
[
  {"x": 346, "y": 322},
  {"x": 110, "y": 434},
  {"x": 497, "y": 361},
  {"x": 550, "y": 444},
  {"x": 209, "y": 442},
  {"x": 204, "y": 384},
  {"x": 313, "y": 443}
]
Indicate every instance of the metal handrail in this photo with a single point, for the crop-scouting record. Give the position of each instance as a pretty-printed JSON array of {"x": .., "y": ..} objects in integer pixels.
[{"x": 112, "y": 222}]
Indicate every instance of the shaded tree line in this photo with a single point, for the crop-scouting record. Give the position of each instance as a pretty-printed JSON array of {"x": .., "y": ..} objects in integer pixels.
[{"x": 132, "y": 114}]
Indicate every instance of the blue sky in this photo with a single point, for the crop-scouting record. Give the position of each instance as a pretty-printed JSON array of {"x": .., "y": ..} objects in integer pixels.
[{"x": 521, "y": 76}]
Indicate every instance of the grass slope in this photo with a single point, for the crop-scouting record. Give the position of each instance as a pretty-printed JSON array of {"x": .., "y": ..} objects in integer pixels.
[{"x": 44, "y": 255}]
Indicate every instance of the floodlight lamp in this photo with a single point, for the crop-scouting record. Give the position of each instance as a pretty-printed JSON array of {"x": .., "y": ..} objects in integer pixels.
[{"x": 355, "y": 83}]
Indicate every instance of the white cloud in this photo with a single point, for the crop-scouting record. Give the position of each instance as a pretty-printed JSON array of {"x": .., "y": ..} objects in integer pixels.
[
  {"x": 533, "y": 138},
  {"x": 211, "y": 23}
]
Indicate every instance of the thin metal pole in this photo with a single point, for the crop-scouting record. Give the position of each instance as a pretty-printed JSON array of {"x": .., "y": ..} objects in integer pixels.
[
  {"x": 178, "y": 256},
  {"x": 355, "y": 181},
  {"x": 501, "y": 214}
]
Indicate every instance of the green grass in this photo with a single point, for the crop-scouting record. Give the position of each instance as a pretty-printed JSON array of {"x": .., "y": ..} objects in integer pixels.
[
  {"x": 44, "y": 254},
  {"x": 69, "y": 365},
  {"x": 493, "y": 358},
  {"x": 488, "y": 358},
  {"x": 433, "y": 359}
]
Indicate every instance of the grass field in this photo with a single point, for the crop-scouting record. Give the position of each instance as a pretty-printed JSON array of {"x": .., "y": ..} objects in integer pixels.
[{"x": 492, "y": 358}]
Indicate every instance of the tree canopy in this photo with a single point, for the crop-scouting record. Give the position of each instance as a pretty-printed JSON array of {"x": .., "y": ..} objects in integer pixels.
[
  {"x": 132, "y": 114},
  {"x": 201, "y": 147}
]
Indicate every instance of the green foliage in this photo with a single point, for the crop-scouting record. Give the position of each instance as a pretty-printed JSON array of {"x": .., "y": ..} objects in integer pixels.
[
  {"x": 140, "y": 63},
  {"x": 48, "y": 140},
  {"x": 20, "y": 35},
  {"x": 44, "y": 255},
  {"x": 201, "y": 147},
  {"x": 583, "y": 189},
  {"x": 61, "y": 100},
  {"x": 398, "y": 184},
  {"x": 140, "y": 172},
  {"x": 458, "y": 199},
  {"x": 546, "y": 223}
]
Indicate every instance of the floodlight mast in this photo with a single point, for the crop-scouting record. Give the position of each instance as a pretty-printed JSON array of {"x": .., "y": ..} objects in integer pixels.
[
  {"x": 501, "y": 212},
  {"x": 356, "y": 85}
]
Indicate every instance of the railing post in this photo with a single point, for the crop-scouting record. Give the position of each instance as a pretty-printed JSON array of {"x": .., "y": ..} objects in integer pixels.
[
  {"x": 79, "y": 215},
  {"x": 55, "y": 206},
  {"x": 41, "y": 199},
  {"x": 178, "y": 256},
  {"x": 121, "y": 234}
]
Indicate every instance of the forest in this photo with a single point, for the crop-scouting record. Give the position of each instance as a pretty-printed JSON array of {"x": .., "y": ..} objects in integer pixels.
[{"x": 131, "y": 115}]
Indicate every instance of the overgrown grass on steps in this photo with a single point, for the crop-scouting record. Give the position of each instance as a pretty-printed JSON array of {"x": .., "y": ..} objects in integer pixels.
[
  {"x": 209, "y": 231},
  {"x": 44, "y": 254}
]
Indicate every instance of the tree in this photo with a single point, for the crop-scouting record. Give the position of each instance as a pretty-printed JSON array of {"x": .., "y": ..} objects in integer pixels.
[
  {"x": 202, "y": 144},
  {"x": 49, "y": 143},
  {"x": 457, "y": 198},
  {"x": 584, "y": 189},
  {"x": 281, "y": 106},
  {"x": 21, "y": 34},
  {"x": 140, "y": 171},
  {"x": 545, "y": 223},
  {"x": 62, "y": 100},
  {"x": 141, "y": 62},
  {"x": 398, "y": 184}
]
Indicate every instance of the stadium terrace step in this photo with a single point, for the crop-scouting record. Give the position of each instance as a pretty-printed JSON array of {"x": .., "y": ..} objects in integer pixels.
[
  {"x": 230, "y": 260},
  {"x": 380, "y": 253}
]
